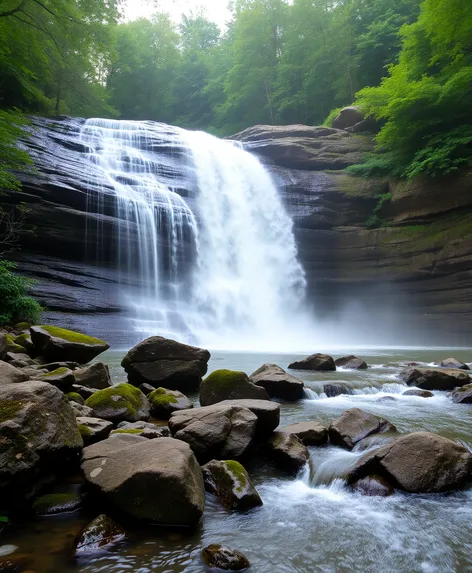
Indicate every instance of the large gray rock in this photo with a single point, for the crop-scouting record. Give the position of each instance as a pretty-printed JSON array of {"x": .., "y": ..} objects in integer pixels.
[
  {"x": 348, "y": 117},
  {"x": 351, "y": 362},
  {"x": 215, "y": 432},
  {"x": 39, "y": 435},
  {"x": 268, "y": 413},
  {"x": 93, "y": 430},
  {"x": 57, "y": 344},
  {"x": 152, "y": 480},
  {"x": 95, "y": 376},
  {"x": 288, "y": 452},
  {"x": 418, "y": 463},
  {"x": 10, "y": 374},
  {"x": 164, "y": 402},
  {"x": 354, "y": 425},
  {"x": 333, "y": 390},
  {"x": 122, "y": 403},
  {"x": 229, "y": 385},
  {"x": 309, "y": 433},
  {"x": 164, "y": 362},
  {"x": 435, "y": 378},
  {"x": 463, "y": 395},
  {"x": 454, "y": 363},
  {"x": 278, "y": 383},
  {"x": 321, "y": 362},
  {"x": 230, "y": 482},
  {"x": 62, "y": 378}
]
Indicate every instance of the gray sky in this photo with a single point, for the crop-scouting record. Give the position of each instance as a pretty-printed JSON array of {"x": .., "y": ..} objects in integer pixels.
[{"x": 216, "y": 9}]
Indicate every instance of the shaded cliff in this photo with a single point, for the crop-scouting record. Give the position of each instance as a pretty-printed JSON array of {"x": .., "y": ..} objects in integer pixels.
[{"x": 408, "y": 281}]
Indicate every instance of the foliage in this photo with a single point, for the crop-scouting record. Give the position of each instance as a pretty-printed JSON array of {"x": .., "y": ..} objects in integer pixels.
[
  {"x": 12, "y": 157},
  {"x": 16, "y": 304},
  {"x": 328, "y": 122},
  {"x": 375, "y": 221}
]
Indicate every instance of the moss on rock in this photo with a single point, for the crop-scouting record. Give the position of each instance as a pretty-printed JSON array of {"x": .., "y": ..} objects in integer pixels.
[
  {"x": 229, "y": 385},
  {"x": 56, "y": 503},
  {"x": 74, "y": 397},
  {"x": 164, "y": 402},
  {"x": 9, "y": 409},
  {"x": 135, "y": 431},
  {"x": 120, "y": 403},
  {"x": 71, "y": 335}
]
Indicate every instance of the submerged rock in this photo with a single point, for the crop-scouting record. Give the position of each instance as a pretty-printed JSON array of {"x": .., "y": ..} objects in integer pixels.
[
  {"x": 351, "y": 362},
  {"x": 229, "y": 385},
  {"x": 321, "y": 362},
  {"x": 223, "y": 558},
  {"x": 435, "y": 378},
  {"x": 164, "y": 402},
  {"x": 419, "y": 393},
  {"x": 220, "y": 431},
  {"x": 309, "y": 433},
  {"x": 96, "y": 376},
  {"x": 57, "y": 344},
  {"x": 93, "y": 430},
  {"x": 373, "y": 485},
  {"x": 463, "y": 395},
  {"x": 98, "y": 535},
  {"x": 333, "y": 390},
  {"x": 39, "y": 435},
  {"x": 10, "y": 374},
  {"x": 152, "y": 480},
  {"x": 268, "y": 413},
  {"x": 453, "y": 363},
  {"x": 288, "y": 452},
  {"x": 164, "y": 362},
  {"x": 57, "y": 503},
  {"x": 354, "y": 425},
  {"x": 119, "y": 403},
  {"x": 230, "y": 482},
  {"x": 278, "y": 383},
  {"x": 418, "y": 463}
]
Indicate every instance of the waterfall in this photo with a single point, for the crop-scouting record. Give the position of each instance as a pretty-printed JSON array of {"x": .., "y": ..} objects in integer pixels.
[{"x": 203, "y": 242}]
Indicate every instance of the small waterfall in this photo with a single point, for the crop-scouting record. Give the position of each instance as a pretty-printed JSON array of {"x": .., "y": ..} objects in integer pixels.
[{"x": 204, "y": 245}]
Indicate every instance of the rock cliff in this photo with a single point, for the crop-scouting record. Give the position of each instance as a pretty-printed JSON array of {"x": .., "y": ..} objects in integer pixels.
[{"x": 408, "y": 281}]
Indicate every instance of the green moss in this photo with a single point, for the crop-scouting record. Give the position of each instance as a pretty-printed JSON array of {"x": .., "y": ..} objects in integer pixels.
[
  {"x": 23, "y": 340},
  {"x": 225, "y": 379},
  {"x": 9, "y": 409},
  {"x": 12, "y": 346},
  {"x": 238, "y": 471},
  {"x": 23, "y": 326},
  {"x": 71, "y": 336},
  {"x": 130, "y": 431},
  {"x": 85, "y": 431},
  {"x": 117, "y": 397},
  {"x": 74, "y": 397},
  {"x": 161, "y": 396},
  {"x": 57, "y": 372}
]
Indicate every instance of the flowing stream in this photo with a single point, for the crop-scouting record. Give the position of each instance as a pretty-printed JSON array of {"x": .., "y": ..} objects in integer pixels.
[{"x": 204, "y": 244}]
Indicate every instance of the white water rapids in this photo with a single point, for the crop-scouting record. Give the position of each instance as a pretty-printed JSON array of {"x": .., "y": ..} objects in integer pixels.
[{"x": 205, "y": 247}]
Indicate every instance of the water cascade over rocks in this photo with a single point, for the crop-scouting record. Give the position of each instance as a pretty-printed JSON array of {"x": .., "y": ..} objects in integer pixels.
[{"x": 204, "y": 245}]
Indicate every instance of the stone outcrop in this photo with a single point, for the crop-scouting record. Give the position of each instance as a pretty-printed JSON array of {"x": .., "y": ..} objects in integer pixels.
[
  {"x": 163, "y": 362},
  {"x": 278, "y": 383},
  {"x": 152, "y": 480},
  {"x": 55, "y": 343}
]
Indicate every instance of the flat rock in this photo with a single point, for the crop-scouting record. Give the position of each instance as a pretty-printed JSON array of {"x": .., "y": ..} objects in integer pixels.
[
  {"x": 278, "y": 383},
  {"x": 354, "y": 425},
  {"x": 435, "y": 378},
  {"x": 152, "y": 480},
  {"x": 309, "y": 433},
  {"x": 268, "y": 413},
  {"x": 223, "y": 385},
  {"x": 321, "y": 362},
  {"x": 57, "y": 344}
]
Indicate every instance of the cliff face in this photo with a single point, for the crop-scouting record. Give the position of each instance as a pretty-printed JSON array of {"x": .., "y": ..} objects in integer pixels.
[{"x": 406, "y": 282}]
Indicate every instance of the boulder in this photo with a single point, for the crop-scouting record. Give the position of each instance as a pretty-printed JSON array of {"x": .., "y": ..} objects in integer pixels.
[
  {"x": 373, "y": 486},
  {"x": 229, "y": 385},
  {"x": 93, "y": 430},
  {"x": 3, "y": 345},
  {"x": 19, "y": 360},
  {"x": 321, "y": 362},
  {"x": 309, "y": 433},
  {"x": 62, "y": 378},
  {"x": 463, "y": 395},
  {"x": 216, "y": 556},
  {"x": 39, "y": 436},
  {"x": 453, "y": 363},
  {"x": 333, "y": 390},
  {"x": 348, "y": 117},
  {"x": 83, "y": 391},
  {"x": 95, "y": 376},
  {"x": 351, "y": 362},
  {"x": 24, "y": 340},
  {"x": 74, "y": 397},
  {"x": 143, "y": 429},
  {"x": 55, "y": 503},
  {"x": 57, "y": 344},
  {"x": 419, "y": 393},
  {"x": 163, "y": 362},
  {"x": 215, "y": 432},
  {"x": 435, "y": 378},
  {"x": 10, "y": 374},
  {"x": 81, "y": 410},
  {"x": 418, "y": 463},
  {"x": 146, "y": 389},
  {"x": 288, "y": 452},
  {"x": 268, "y": 413},
  {"x": 164, "y": 402},
  {"x": 122, "y": 403},
  {"x": 152, "y": 480},
  {"x": 12, "y": 346},
  {"x": 230, "y": 482},
  {"x": 354, "y": 425},
  {"x": 98, "y": 535},
  {"x": 277, "y": 383}
]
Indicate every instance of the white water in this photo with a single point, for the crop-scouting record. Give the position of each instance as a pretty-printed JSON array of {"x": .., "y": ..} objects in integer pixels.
[{"x": 217, "y": 266}]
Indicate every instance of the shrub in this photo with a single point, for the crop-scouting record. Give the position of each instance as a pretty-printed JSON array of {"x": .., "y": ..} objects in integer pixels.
[{"x": 16, "y": 304}]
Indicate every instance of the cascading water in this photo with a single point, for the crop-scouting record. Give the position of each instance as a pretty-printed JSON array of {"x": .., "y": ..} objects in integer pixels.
[{"x": 203, "y": 241}]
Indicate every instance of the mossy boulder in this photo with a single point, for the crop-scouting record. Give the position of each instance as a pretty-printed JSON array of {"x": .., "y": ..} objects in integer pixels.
[
  {"x": 288, "y": 452},
  {"x": 10, "y": 374},
  {"x": 229, "y": 385},
  {"x": 25, "y": 341},
  {"x": 164, "y": 402},
  {"x": 74, "y": 397},
  {"x": 39, "y": 437},
  {"x": 54, "y": 503},
  {"x": 95, "y": 376},
  {"x": 93, "y": 430},
  {"x": 230, "y": 482},
  {"x": 320, "y": 362},
  {"x": 62, "y": 378},
  {"x": 57, "y": 344},
  {"x": 12, "y": 346},
  {"x": 101, "y": 533},
  {"x": 119, "y": 403},
  {"x": 216, "y": 556}
]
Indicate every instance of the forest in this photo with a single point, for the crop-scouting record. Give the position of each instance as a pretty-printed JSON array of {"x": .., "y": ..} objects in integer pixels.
[{"x": 406, "y": 63}]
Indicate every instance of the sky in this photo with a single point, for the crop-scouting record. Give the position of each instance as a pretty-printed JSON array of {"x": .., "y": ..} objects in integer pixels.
[{"x": 216, "y": 9}]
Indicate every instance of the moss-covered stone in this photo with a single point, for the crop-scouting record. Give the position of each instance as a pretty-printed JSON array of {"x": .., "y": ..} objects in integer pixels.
[
  {"x": 57, "y": 503},
  {"x": 71, "y": 335},
  {"x": 120, "y": 403},
  {"x": 74, "y": 397},
  {"x": 163, "y": 402},
  {"x": 229, "y": 385},
  {"x": 9, "y": 409},
  {"x": 22, "y": 326},
  {"x": 135, "y": 431},
  {"x": 62, "y": 377},
  {"x": 85, "y": 432},
  {"x": 13, "y": 346}
]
